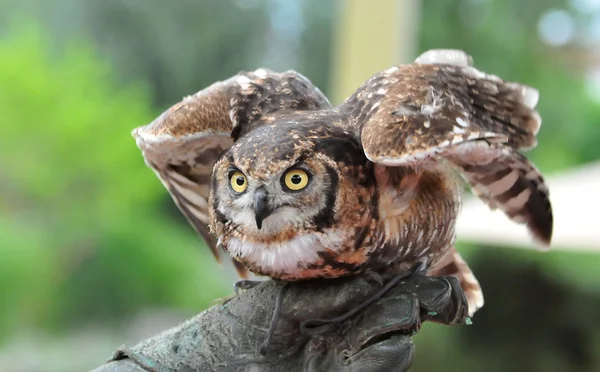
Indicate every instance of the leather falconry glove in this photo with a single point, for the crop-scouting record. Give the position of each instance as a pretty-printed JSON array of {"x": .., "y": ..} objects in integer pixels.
[{"x": 228, "y": 336}]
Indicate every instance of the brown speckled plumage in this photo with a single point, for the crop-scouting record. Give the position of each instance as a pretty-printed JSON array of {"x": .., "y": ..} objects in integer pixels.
[{"x": 381, "y": 171}]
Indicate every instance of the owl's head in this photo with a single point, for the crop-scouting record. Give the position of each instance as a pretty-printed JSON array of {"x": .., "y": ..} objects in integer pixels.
[{"x": 277, "y": 181}]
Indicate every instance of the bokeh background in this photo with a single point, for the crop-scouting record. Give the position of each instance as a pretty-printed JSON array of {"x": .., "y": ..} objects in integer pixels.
[{"x": 93, "y": 252}]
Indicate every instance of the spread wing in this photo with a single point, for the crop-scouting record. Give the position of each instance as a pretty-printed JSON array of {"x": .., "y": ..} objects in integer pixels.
[
  {"x": 442, "y": 107},
  {"x": 183, "y": 143}
]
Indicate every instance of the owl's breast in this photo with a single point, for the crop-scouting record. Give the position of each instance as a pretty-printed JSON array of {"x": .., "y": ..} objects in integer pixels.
[
  {"x": 416, "y": 216},
  {"x": 309, "y": 254}
]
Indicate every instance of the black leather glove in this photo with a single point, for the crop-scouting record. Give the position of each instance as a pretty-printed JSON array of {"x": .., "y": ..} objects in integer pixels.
[{"x": 227, "y": 337}]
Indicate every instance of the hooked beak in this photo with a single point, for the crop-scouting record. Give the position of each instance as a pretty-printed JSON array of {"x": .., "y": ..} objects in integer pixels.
[{"x": 261, "y": 206}]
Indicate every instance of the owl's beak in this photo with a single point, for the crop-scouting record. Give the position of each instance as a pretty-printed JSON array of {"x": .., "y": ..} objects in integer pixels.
[{"x": 261, "y": 206}]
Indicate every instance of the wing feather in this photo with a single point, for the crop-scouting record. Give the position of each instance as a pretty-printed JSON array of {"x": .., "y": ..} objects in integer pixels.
[
  {"x": 441, "y": 107},
  {"x": 513, "y": 184},
  {"x": 195, "y": 214},
  {"x": 452, "y": 264},
  {"x": 184, "y": 142},
  {"x": 414, "y": 111}
]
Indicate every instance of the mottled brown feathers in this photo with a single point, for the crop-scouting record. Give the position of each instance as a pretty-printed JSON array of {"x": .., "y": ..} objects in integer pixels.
[
  {"x": 184, "y": 142},
  {"x": 452, "y": 264},
  {"x": 233, "y": 104},
  {"x": 264, "y": 92},
  {"x": 513, "y": 184},
  {"x": 411, "y": 112},
  {"x": 376, "y": 184}
]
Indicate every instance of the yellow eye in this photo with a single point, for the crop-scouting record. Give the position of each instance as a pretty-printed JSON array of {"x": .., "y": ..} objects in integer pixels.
[
  {"x": 296, "y": 179},
  {"x": 238, "y": 182}
]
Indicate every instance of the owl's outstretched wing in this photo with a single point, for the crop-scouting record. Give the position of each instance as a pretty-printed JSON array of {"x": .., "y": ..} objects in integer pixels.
[
  {"x": 441, "y": 107},
  {"x": 184, "y": 142}
]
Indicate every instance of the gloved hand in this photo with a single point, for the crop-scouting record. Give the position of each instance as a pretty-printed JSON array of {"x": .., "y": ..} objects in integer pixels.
[{"x": 227, "y": 337}]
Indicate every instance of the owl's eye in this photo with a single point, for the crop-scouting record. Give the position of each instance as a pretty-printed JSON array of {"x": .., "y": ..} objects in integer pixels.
[
  {"x": 295, "y": 179},
  {"x": 238, "y": 182}
]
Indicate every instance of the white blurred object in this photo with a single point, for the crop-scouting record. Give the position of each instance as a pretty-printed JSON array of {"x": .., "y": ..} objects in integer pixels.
[
  {"x": 575, "y": 198},
  {"x": 556, "y": 27}
]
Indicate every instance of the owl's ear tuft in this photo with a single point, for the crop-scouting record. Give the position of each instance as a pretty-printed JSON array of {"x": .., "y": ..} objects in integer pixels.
[
  {"x": 264, "y": 92},
  {"x": 453, "y": 57}
]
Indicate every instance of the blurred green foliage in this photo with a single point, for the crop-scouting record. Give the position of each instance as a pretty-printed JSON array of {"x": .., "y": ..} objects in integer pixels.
[
  {"x": 81, "y": 239},
  {"x": 89, "y": 235}
]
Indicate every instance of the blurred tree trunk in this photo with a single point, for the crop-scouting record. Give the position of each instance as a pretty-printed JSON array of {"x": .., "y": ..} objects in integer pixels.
[{"x": 371, "y": 36}]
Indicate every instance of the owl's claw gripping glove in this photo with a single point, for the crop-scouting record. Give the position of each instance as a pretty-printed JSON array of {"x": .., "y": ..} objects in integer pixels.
[{"x": 227, "y": 337}]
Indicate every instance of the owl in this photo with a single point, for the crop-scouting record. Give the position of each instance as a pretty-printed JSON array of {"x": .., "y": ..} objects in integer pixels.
[{"x": 292, "y": 188}]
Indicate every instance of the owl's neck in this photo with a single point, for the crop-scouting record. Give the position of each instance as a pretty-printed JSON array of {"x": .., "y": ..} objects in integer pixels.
[{"x": 287, "y": 256}]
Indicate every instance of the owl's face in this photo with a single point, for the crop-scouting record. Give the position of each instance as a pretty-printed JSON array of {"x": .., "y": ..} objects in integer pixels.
[
  {"x": 266, "y": 188},
  {"x": 267, "y": 204},
  {"x": 283, "y": 195}
]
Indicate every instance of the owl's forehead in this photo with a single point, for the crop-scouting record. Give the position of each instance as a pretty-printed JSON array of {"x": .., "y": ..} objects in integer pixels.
[{"x": 271, "y": 149}]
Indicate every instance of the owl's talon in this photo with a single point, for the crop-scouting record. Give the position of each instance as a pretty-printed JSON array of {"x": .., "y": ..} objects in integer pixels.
[
  {"x": 244, "y": 285},
  {"x": 318, "y": 326},
  {"x": 420, "y": 269}
]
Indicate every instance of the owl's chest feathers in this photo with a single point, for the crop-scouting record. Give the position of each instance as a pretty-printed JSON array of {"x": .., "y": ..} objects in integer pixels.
[
  {"x": 290, "y": 258},
  {"x": 417, "y": 213}
]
